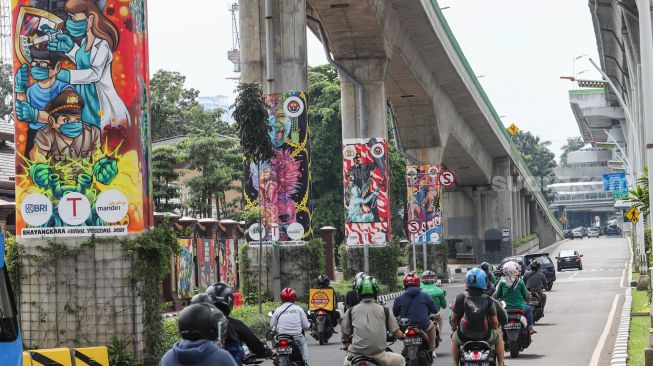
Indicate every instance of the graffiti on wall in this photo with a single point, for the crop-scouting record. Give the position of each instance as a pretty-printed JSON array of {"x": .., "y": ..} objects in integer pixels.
[
  {"x": 365, "y": 176},
  {"x": 282, "y": 186},
  {"x": 228, "y": 264},
  {"x": 185, "y": 269},
  {"x": 424, "y": 217},
  {"x": 82, "y": 134},
  {"x": 206, "y": 262}
]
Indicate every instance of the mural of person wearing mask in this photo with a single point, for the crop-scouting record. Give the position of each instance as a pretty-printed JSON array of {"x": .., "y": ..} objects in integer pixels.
[{"x": 98, "y": 37}]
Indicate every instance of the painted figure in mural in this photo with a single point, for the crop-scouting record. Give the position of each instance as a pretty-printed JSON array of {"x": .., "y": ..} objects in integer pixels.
[
  {"x": 89, "y": 43},
  {"x": 279, "y": 181},
  {"x": 32, "y": 99},
  {"x": 358, "y": 209},
  {"x": 184, "y": 285}
]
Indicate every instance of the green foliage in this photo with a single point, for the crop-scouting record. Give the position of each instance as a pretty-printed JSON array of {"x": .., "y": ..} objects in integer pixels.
[
  {"x": 384, "y": 262},
  {"x": 573, "y": 144},
  {"x": 521, "y": 241},
  {"x": 258, "y": 323},
  {"x": 118, "y": 354},
  {"x": 251, "y": 116},
  {"x": 6, "y": 91},
  {"x": 398, "y": 192},
  {"x": 246, "y": 275},
  {"x": 165, "y": 160},
  {"x": 647, "y": 244},
  {"x": 218, "y": 161},
  {"x": 313, "y": 254},
  {"x": 171, "y": 332},
  {"x": 639, "y": 196},
  {"x": 638, "y": 340},
  {"x": 153, "y": 250},
  {"x": 538, "y": 158},
  {"x": 12, "y": 261}
]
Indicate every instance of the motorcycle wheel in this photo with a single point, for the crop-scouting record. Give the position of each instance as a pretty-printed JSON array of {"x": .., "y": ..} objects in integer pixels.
[
  {"x": 514, "y": 350},
  {"x": 322, "y": 339}
]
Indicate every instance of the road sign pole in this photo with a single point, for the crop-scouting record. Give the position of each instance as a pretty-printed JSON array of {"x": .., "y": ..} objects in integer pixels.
[
  {"x": 366, "y": 258},
  {"x": 425, "y": 255},
  {"x": 414, "y": 256}
]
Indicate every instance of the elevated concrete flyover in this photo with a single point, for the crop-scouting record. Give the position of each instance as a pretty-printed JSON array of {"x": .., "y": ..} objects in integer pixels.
[{"x": 403, "y": 53}]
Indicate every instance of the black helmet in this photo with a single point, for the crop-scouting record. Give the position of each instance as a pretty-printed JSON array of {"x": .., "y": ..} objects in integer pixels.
[
  {"x": 535, "y": 265},
  {"x": 485, "y": 266},
  {"x": 202, "y": 321},
  {"x": 323, "y": 280},
  {"x": 201, "y": 297},
  {"x": 221, "y": 296}
]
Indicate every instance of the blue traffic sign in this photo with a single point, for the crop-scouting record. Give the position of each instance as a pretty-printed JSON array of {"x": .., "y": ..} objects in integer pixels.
[{"x": 615, "y": 182}]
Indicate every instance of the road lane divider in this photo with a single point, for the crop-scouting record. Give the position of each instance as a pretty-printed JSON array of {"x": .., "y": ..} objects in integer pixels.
[{"x": 596, "y": 355}]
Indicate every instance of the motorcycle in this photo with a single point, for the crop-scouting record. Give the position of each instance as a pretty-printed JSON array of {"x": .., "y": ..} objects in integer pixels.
[
  {"x": 477, "y": 353},
  {"x": 321, "y": 325},
  {"x": 536, "y": 305},
  {"x": 288, "y": 352},
  {"x": 416, "y": 344},
  {"x": 515, "y": 334}
]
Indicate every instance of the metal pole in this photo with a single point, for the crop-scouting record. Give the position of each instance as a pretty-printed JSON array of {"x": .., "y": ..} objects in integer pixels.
[
  {"x": 410, "y": 217},
  {"x": 425, "y": 255},
  {"x": 414, "y": 257},
  {"x": 269, "y": 42},
  {"x": 366, "y": 257}
]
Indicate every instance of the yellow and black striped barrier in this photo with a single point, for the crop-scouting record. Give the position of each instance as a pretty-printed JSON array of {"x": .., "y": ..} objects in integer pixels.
[
  {"x": 88, "y": 356},
  {"x": 91, "y": 356},
  {"x": 51, "y": 357}
]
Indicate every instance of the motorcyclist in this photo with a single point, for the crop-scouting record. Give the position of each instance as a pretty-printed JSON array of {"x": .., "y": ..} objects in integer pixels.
[
  {"x": 416, "y": 306},
  {"x": 491, "y": 278},
  {"x": 512, "y": 290},
  {"x": 201, "y": 326},
  {"x": 291, "y": 320},
  {"x": 222, "y": 297},
  {"x": 364, "y": 327},
  {"x": 536, "y": 281},
  {"x": 470, "y": 314},
  {"x": 428, "y": 285},
  {"x": 323, "y": 282}
]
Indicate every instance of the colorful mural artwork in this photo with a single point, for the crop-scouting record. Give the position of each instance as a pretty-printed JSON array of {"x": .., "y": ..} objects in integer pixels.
[
  {"x": 206, "y": 262},
  {"x": 424, "y": 215},
  {"x": 282, "y": 188},
  {"x": 82, "y": 131},
  {"x": 228, "y": 265},
  {"x": 366, "y": 182},
  {"x": 185, "y": 269}
]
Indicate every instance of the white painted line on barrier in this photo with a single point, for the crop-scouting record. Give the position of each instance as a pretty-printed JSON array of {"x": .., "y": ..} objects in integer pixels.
[{"x": 596, "y": 355}]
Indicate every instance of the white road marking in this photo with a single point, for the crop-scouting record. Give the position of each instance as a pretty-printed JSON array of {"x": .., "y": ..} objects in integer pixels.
[
  {"x": 596, "y": 355},
  {"x": 572, "y": 276}
]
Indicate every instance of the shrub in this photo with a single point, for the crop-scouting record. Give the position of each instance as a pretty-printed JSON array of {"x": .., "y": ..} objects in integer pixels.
[
  {"x": 521, "y": 241},
  {"x": 384, "y": 262},
  {"x": 118, "y": 354}
]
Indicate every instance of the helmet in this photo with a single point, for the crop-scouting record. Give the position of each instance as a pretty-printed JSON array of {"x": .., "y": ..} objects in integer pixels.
[
  {"x": 511, "y": 269},
  {"x": 476, "y": 278},
  {"x": 428, "y": 277},
  {"x": 411, "y": 279},
  {"x": 357, "y": 278},
  {"x": 485, "y": 266},
  {"x": 201, "y": 297},
  {"x": 323, "y": 280},
  {"x": 288, "y": 295},
  {"x": 367, "y": 286},
  {"x": 202, "y": 321},
  {"x": 535, "y": 265},
  {"x": 221, "y": 296}
]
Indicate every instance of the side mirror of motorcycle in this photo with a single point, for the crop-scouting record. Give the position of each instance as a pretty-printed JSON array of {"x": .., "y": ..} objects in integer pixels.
[
  {"x": 381, "y": 302},
  {"x": 270, "y": 314}
]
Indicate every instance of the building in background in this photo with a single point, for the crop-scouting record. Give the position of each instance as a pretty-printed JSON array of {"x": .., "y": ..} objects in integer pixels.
[{"x": 7, "y": 178}]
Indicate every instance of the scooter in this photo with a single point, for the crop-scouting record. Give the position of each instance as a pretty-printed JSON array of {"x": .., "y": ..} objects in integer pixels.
[
  {"x": 515, "y": 334},
  {"x": 536, "y": 305},
  {"x": 321, "y": 325},
  {"x": 477, "y": 353},
  {"x": 288, "y": 352},
  {"x": 416, "y": 344}
]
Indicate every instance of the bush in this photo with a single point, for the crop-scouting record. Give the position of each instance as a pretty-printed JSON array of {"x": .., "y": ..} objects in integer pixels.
[
  {"x": 118, "y": 354},
  {"x": 170, "y": 333},
  {"x": 521, "y": 241},
  {"x": 258, "y": 323},
  {"x": 384, "y": 262}
]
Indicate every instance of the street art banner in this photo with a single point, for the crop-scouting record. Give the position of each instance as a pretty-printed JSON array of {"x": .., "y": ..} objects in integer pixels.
[
  {"x": 206, "y": 257},
  {"x": 366, "y": 184},
  {"x": 424, "y": 218},
  {"x": 282, "y": 187},
  {"x": 82, "y": 131},
  {"x": 185, "y": 268},
  {"x": 228, "y": 264}
]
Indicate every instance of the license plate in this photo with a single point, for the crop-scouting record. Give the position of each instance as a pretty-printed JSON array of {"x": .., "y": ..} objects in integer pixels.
[
  {"x": 512, "y": 326},
  {"x": 284, "y": 351},
  {"x": 413, "y": 341}
]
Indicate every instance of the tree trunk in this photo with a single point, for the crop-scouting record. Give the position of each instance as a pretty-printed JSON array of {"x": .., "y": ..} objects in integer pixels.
[{"x": 260, "y": 240}]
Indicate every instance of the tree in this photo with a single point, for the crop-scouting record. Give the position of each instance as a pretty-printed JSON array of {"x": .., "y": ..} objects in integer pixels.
[
  {"x": 539, "y": 159},
  {"x": 218, "y": 162},
  {"x": 573, "y": 144},
  {"x": 164, "y": 163},
  {"x": 251, "y": 116},
  {"x": 639, "y": 196},
  {"x": 6, "y": 91}
]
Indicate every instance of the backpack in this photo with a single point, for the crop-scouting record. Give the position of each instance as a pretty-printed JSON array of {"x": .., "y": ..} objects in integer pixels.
[
  {"x": 475, "y": 324},
  {"x": 236, "y": 351}
]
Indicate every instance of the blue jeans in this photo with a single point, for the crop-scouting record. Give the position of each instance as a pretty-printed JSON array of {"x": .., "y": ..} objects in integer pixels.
[
  {"x": 303, "y": 346},
  {"x": 529, "y": 315}
]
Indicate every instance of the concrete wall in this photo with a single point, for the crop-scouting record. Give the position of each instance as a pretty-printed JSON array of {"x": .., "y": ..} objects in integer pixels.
[
  {"x": 81, "y": 300},
  {"x": 292, "y": 273}
]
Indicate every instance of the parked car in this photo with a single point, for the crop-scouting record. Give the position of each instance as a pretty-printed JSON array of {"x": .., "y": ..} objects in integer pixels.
[
  {"x": 593, "y": 232},
  {"x": 569, "y": 259},
  {"x": 546, "y": 266}
]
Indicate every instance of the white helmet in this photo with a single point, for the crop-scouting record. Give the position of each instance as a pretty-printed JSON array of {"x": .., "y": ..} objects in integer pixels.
[{"x": 511, "y": 269}]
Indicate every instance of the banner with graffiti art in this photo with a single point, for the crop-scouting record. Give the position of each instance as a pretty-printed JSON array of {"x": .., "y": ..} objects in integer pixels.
[
  {"x": 82, "y": 131},
  {"x": 366, "y": 184},
  {"x": 281, "y": 188},
  {"x": 228, "y": 264},
  {"x": 424, "y": 218},
  {"x": 185, "y": 269},
  {"x": 208, "y": 273}
]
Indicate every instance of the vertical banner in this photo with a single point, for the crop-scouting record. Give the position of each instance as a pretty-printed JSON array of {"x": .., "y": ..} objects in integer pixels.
[
  {"x": 282, "y": 187},
  {"x": 366, "y": 184},
  {"x": 185, "y": 269},
  {"x": 424, "y": 224},
  {"x": 82, "y": 130},
  {"x": 228, "y": 265},
  {"x": 206, "y": 260}
]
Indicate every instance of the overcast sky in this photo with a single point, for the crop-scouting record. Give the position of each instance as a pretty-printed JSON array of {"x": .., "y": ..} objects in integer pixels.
[{"x": 520, "y": 47}]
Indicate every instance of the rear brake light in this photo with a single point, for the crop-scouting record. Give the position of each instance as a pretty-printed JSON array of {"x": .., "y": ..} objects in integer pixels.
[
  {"x": 577, "y": 258},
  {"x": 320, "y": 312},
  {"x": 362, "y": 363},
  {"x": 411, "y": 331},
  {"x": 476, "y": 356},
  {"x": 283, "y": 343}
]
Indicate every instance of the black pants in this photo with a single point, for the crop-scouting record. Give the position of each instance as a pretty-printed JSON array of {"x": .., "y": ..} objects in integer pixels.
[{"x": 29, "y": 144}]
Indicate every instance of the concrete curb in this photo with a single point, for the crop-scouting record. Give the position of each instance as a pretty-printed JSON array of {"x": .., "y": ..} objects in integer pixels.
[{"x": 620, "y": 349}]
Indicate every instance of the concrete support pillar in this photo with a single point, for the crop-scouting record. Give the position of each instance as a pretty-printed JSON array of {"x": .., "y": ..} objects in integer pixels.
[
  {"x": 516, "y": 217},
  {"x": 501, "y": 184},
  {"x": 528, "y": 215},
  {"x": 524, "y": 216},
  {"x": 427, "y": 156},
  {"x": 371, "y": 73}
]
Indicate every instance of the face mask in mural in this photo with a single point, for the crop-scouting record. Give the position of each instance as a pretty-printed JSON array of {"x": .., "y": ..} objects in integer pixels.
[
  {"x": 40, "y": 73},
  {"x": 76, "y": 28},
  {"x": 72, "y": 129}
]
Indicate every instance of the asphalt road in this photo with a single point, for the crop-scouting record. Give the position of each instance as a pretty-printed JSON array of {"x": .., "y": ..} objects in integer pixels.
[{"x": 575, "y": 326}]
